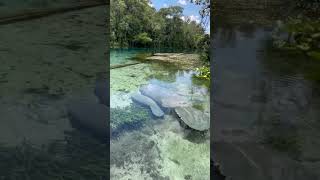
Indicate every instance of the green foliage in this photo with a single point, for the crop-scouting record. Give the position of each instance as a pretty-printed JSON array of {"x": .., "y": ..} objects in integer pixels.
[
  {"x": 142, "y": 39},
  {"x": 128, "y": 115},
  {"x": 303, "y": 35},
  {"x": 134, "y": 23},
  {"x": 204, "y": 48},
  {"x": 313, "y": 5},
  {"x": 202, "y": 77},
  {"x": 314, "y": 55},
  {"x": 203, "y": 73},
  {"x": 205, "y": 10}
]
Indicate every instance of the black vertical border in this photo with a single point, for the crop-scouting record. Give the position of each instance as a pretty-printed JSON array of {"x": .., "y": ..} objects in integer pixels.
[{"x": 107, "y": 59}]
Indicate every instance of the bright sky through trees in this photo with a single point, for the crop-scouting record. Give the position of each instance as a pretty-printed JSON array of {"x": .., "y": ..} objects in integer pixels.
[{"x": 190, "y": 10}]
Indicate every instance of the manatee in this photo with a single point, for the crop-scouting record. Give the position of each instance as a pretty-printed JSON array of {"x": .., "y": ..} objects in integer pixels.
[
  {"x": 194, "y": 118},
  {"x": 102, "y": 92},
  {"x": 91, "y": 117},
  {"x": 164, "y": 97},
  {"x": 144, "y": 100}
]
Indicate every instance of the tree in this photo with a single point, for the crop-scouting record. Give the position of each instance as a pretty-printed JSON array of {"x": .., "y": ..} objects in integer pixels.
[
  {"x": 205, "y": 11},
  {"x": 136, "y": 24}
]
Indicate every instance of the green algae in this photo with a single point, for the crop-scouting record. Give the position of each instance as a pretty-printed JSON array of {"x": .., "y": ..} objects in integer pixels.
[
  {"x": 199, "y": 106},
  {"x": 129, "y": 115},
  {"x": 130, "y": 78},
  {"x": 179, "y": 160},
  {"x": 161, "y": 151},
  {"x": 201, "y": 82}
]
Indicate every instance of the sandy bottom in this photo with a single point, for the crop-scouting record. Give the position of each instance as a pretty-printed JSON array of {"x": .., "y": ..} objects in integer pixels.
[{"x": 162, "y": 149}]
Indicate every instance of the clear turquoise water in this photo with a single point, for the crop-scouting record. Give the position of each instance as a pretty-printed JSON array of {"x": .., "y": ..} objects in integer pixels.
[
  {"x": 120, "y": 56},
  {"x": 165, "y": 76},
  {"x": 145, "y": 147}
]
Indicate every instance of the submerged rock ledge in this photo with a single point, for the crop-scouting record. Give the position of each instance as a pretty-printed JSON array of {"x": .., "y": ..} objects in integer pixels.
[{"x": 183, "y": 60}]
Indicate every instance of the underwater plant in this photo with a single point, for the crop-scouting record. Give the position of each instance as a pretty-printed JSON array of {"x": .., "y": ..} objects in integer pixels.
[
  {"x": 199, "y": 106},
  {"x": 129, "y": 115}
]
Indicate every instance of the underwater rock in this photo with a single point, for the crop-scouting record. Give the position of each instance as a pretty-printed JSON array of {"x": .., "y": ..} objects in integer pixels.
[
  {"x": 102, "y": 92},
  {"x": 184, "y": 61},
  {"x": 156, "y": 110},
  {"x": 164, "y": 97},
  {"x": 91, "y": 117},
  {"x": 194, "y": 118}
]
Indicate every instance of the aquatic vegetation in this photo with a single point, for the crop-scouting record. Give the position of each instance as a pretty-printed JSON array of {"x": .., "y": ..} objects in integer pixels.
[
  {"x": 160, "y": 151},
  {"x": 178, "y": 158},
  {"x": 199, "y": 106},
  {"x": 77, "y": 157},
  {"x": 129, "y": 115},
  {"x": 203, "y": 73},
  {"x": 130, "y": 78}
]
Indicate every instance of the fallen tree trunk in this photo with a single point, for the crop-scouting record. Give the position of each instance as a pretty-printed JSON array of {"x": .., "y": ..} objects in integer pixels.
[
  {"x": 123, "y": 65},
  {"x": 32, "y": 14}
]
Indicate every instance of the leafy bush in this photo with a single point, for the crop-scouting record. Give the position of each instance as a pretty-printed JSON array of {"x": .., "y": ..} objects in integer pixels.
[
  {"x": 142, "y": 39},
  {"x": 313, "y": 5},
  {"x": 203, "y": 73},
  {"x": 303, "y": 34}
]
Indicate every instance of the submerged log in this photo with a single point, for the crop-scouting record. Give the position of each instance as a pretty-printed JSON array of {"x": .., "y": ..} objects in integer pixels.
[{"x": 123, "y": 65}]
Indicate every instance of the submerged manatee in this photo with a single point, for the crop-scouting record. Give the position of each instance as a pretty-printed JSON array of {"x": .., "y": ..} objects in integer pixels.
[
  {"x": 102, "y": 92},
  {"x": 91, "y": 117},
  {"x": 164, "y": 97},
  {"x": 156, "y": 110},
  {"x": 194, "y": 118}
]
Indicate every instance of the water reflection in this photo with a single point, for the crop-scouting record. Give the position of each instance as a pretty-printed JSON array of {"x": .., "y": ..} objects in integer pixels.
[{"x": 266, "y": 107}]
